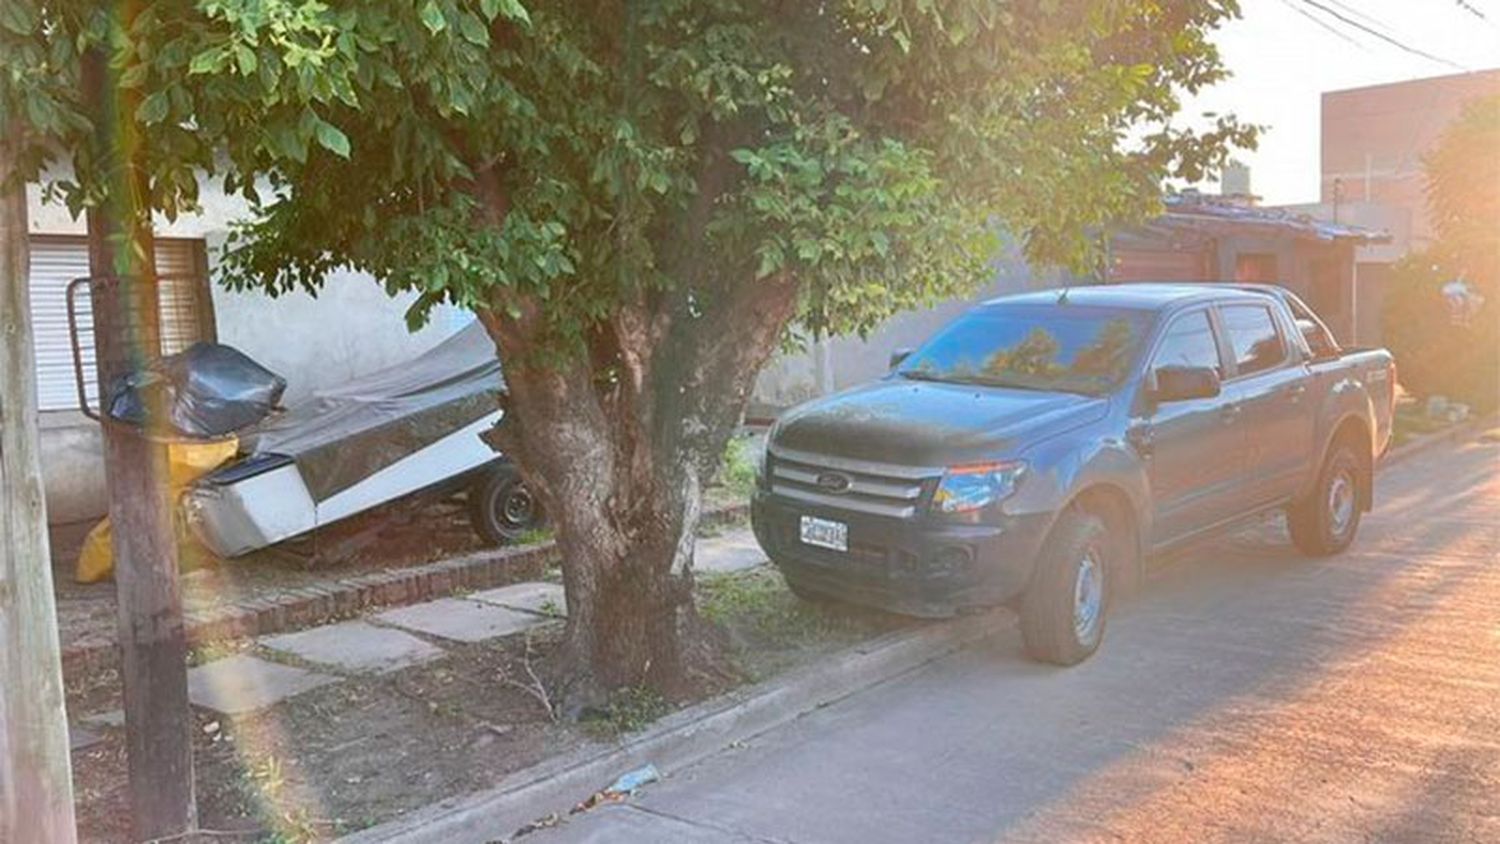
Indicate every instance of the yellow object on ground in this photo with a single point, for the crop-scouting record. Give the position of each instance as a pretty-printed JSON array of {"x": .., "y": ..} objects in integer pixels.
[{"x": 186, "y": 462}]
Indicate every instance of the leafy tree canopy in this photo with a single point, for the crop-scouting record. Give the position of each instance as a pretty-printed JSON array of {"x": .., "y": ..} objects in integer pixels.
[{"x": 870, "y": 147}]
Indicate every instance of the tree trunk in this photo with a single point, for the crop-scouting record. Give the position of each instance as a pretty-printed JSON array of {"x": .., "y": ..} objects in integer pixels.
[{"x": 619, "y": 444}]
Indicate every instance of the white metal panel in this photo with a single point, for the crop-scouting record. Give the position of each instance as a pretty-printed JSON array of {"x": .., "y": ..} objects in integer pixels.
[
  {"x": 58, "y": 260},
  {"x": 261, "y": 510},
  {"x": 458, "y": 452},
  {"x": 234, "y": 519}
]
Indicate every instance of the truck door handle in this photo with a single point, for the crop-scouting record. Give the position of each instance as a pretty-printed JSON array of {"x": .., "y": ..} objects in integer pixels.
[{"x": 1229, "y": 412}]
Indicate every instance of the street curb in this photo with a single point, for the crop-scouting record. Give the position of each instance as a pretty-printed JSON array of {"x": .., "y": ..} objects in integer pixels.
[
  {"x": 1461, "y": 431},
  {"x": 313, "y": 604},
  {"x": 682, "y": 738}
]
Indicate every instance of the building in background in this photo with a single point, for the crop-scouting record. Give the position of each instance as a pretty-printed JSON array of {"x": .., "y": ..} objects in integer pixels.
[
  {"x": 352, "y": 327},
  {"x": 1229, "y": 238},
  {"x": 1374, "y": 142}
]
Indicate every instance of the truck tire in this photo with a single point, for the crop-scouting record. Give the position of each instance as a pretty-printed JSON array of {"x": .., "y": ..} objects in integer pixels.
[
  {"x": 1063, "y": 611},
  {"x": 1325, "y": 522},
  {"x": 501, "y": 509}
]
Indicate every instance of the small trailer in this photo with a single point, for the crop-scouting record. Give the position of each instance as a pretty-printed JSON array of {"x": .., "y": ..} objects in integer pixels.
[{"x": 411, "y": 429}]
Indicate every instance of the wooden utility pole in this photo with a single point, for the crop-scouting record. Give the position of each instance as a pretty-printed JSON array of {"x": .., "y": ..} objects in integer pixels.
[
  {"x": 36, "y": 784},
  {"x": 127, "y": 332}
]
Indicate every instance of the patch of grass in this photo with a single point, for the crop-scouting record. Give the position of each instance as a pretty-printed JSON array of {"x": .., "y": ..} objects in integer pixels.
[
  {"x": 758, "y": 605},
  {"x": 535, "y": 536},
  {"x": 738, "y": 468},
  {"x": 629, "y": 710}
]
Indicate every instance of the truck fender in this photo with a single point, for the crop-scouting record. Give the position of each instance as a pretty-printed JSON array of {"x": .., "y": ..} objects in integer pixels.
[{"x": 1107, "y": 472}]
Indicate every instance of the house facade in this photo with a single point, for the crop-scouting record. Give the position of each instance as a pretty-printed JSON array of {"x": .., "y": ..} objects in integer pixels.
[
  {"x": 350, "y": 328},
  {"x": 1374, "y": 141},
  {"x": 1230, "y": 238}
]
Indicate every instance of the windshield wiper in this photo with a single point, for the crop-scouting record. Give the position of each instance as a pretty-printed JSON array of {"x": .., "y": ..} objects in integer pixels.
[{"x": 918, "y": 375}]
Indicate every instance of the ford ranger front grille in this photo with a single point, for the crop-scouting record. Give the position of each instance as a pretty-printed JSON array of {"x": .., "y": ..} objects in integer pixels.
[{"x": 863, "y": 486}]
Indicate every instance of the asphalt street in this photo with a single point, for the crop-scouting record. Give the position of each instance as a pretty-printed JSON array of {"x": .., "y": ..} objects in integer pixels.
[{"x": 1247, "y": 694}]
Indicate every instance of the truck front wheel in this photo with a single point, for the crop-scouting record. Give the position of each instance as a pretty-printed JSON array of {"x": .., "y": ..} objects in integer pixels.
[
  {"x": 1063, "y": 611},
  {"x": 1324, "y": 523}
]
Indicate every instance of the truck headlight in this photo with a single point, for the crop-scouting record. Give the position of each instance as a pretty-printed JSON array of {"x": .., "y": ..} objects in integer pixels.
[{"x": 975, "y": 486}]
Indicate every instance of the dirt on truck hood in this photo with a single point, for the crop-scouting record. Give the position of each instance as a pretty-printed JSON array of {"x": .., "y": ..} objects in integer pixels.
[{"x": 925, "y": 423}]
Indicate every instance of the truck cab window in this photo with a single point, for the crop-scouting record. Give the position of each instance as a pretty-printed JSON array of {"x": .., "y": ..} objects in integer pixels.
[
  {"x": 1189, "y": 341},
  {"x": 1253, "y": 337},
  {"x": 1319, "y": 340}
]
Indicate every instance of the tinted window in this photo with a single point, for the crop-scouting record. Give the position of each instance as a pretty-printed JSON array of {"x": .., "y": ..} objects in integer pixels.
[
  {"x": 1252, "y": 336},
  {"x": 1318, "y": 338},
  {"x": 1189, "y": 341},
  {"x": 1068, "y": 349}
]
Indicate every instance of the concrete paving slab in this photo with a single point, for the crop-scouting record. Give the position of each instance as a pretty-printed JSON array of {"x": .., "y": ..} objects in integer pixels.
[
  {"x": 734, "y": 550},
  {"x": 241, "y": 683},
  {"x": 354, "y": 646},
  {"x": 461, "y": 619},
  {"x": 544, "y": 598},
  {"x": 82, "y": 739}
]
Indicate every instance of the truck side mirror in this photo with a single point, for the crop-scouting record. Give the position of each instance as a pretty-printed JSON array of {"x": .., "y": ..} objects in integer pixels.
[
  {"x": 1180, "y": 383},
  {"x": 898, "y": 356}
]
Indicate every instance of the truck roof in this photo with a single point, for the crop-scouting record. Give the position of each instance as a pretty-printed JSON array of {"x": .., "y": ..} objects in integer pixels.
[{"x": 1140, "y": 295}]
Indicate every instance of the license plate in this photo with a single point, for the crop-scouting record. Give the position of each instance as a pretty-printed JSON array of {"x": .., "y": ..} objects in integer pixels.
[{"x": 825, "y": 533}]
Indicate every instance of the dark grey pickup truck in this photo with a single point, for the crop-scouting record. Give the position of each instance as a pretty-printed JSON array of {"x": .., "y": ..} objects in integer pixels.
[{"x": 1041, "y": 446}]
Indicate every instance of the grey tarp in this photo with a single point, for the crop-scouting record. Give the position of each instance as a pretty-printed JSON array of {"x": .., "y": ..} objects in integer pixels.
[{"x": 340, "y": 436}]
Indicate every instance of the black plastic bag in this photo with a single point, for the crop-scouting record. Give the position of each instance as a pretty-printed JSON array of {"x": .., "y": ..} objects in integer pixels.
[{"x": 207, "y": 391}]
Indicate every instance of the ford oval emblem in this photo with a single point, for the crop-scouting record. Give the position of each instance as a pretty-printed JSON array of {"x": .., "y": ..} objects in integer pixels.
[{"x": 834, "y": 482}]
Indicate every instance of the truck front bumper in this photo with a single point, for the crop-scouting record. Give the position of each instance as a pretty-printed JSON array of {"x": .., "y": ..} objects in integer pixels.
[{"x": 920, "y": 567}]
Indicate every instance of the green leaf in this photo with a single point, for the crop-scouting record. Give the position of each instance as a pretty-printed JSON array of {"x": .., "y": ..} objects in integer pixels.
[
  {"x": 207, "y": 61},
  {"x": 134, "y": 76},
  {"x": 511, "y": 9},
  {"x": 473, "y": 30},
  {"x": 333, "y": 139},
  {"x": 432, "y": 17},
  {"x": 19, "y": 17},
  {"x": 153, "y": 109},
  {"x": 245, "y": 58}
]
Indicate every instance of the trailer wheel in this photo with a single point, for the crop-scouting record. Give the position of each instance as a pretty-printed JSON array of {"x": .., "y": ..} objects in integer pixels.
[{"x": 501, "y": 508}]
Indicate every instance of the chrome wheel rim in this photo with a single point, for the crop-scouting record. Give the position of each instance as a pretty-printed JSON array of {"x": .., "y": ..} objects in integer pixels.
[
  {"x": 1088, "y": 596},
  {"x": 1340, "y": 503}
]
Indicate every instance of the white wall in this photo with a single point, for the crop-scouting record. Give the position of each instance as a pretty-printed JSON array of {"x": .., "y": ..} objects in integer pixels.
[
  {"x": 791, "y": 379},
  {"x": 352, "y": 327}
]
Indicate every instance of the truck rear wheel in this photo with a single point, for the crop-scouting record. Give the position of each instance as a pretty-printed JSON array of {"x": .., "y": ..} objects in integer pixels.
[
  {"x": 501, "y": 509},
  {"x": 1063, "y": 611},
  {"x": 1324, "y": 523}
]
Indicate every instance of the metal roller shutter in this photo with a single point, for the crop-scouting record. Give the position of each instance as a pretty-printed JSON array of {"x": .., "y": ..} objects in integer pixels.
[{"x": 56, "y": 260}]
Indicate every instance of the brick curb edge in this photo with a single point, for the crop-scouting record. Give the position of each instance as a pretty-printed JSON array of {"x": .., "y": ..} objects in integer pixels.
[{"x": 307, "y": 605}]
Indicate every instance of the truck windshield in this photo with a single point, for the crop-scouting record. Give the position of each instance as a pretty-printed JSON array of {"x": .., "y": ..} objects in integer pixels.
[{"x": 1067, "y": 349}]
